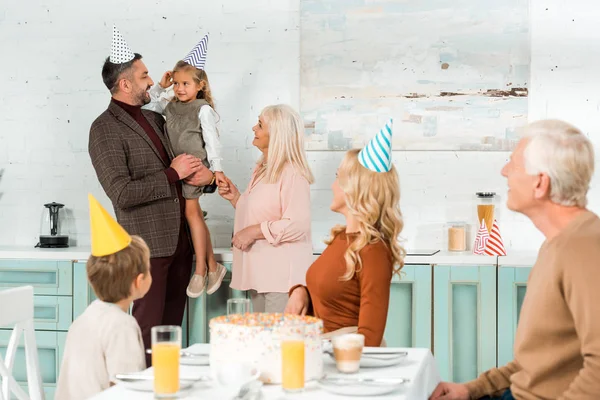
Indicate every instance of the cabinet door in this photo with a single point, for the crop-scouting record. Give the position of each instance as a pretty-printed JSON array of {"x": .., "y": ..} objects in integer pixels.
[
  {"x": 50, "y": 346},
  {"x": 203, "y": 308},
  {"x": 53, "y": 313},
  {"x": 46, "y": 277},
  {"x": 83, "y": 294},
  {"x": 409, "y": 313},
  {"x": 464, "y": 322},
  {"x": 512, "y": 284}
]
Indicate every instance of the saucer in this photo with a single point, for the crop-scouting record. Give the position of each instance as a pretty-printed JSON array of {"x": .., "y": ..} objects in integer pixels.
[
  {"x": 145, "y": 382},
  {"x": 360, "y": 386}
]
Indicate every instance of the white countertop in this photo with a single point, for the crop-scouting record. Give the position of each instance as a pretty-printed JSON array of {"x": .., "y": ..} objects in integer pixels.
[
  {"x": 71, "y": 253},
  {"x": 518, "y": 259},
  {"x": 225, "y": 255}
]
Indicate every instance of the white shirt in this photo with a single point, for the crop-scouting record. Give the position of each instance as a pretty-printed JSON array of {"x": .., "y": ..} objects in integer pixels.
[
  {"x": 160, "y": 97},
  {"x": 102, "y": 342}
]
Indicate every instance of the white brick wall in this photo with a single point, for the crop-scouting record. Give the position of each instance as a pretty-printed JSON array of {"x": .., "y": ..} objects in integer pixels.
[{"x": 51, "y": 89}]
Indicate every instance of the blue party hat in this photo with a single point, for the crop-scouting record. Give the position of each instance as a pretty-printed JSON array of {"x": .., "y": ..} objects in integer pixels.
[{"x": 377, "y": 154}]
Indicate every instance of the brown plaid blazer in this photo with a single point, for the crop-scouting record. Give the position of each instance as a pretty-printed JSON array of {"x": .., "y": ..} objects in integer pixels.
[{"x": 131, "y": 172}]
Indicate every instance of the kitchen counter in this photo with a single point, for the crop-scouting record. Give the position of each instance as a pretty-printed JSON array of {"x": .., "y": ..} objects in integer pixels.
[
  {"x": 225, "y": 255},
  {"x": 518, "y": 259},
  {"x": 80, "y": 253}
]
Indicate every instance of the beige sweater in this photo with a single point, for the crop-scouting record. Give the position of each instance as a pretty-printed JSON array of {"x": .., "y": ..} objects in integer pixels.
[{"x": 557, "y": 345}]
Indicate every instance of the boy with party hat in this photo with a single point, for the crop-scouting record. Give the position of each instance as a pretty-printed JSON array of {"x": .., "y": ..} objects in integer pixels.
[{"x": 105, "y": 340}]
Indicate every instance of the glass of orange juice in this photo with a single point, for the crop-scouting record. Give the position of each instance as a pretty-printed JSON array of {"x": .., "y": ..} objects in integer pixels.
[
  {"x": 166, "y": 348},
  {"x": 292, "y": 356}
]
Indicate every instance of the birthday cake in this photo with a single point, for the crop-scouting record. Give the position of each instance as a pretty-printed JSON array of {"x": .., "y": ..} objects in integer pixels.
[{"x": 255, "y": 339}]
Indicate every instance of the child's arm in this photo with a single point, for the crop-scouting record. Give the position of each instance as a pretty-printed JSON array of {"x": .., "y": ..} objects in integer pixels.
[
  {"x": 124, "y": 352},
  {"x": 159, "y": 95},
  {"x": 210, "y": 134}
]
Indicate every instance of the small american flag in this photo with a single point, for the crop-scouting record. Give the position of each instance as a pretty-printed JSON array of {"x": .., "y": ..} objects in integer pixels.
[
  {"x": 481, "y": 239},
  {"x": 495, "y": 246}
]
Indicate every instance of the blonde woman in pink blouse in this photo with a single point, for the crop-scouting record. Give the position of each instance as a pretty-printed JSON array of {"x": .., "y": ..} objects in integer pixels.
[{"x": 272, "y": 246}]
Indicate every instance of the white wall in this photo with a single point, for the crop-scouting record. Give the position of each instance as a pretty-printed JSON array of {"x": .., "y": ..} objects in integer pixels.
[{"x": 51, "y": 89}]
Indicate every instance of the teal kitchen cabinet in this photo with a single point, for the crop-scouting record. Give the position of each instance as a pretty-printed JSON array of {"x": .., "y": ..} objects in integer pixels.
[
  {"x": 512, "y": 285},
  {"x": 46, "y": 277},
  {"x": 202, "y": 309},
  {"x": 83, "y": 294},
  {"x": 464, "y": 322},
  {"x": 409, "y": 312},
  {"x": 50, "y": 347}
]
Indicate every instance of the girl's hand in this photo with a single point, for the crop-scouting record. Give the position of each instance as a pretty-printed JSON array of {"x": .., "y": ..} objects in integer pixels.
[
  {"x": 220, "y": 178},
  {"x": 228, "y": 190},
  {"x": 166, "y": 81}
]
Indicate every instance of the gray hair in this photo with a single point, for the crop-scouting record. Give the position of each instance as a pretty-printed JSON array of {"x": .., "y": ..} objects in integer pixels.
[{"x": 566, "y": 155}]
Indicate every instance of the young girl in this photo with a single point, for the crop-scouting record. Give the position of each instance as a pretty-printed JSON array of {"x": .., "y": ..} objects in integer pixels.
[{"x": 192, "y": 129}]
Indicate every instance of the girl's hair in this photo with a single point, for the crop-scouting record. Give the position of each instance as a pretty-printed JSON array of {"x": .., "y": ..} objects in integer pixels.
[
  {"x": 199, "y": 76},
  {"x": 286, "y": 143},
  {"x": 373, "y": 198}
]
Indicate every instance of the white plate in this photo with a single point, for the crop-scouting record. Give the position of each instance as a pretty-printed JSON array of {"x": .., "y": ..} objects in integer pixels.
[
  {"x": 372, "y": 357},
  {"x": 195, "y": 358},
  {"x": 347, "y": 386},
  {"x": 376, "y": 357},
  {"x": 147, "y": 385}
]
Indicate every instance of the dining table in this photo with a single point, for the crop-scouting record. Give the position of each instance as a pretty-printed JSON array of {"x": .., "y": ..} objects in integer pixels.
[{"x": 417, "y": 370}]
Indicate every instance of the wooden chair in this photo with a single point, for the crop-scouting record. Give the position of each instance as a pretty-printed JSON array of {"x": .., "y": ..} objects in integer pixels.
[{"x": 16, "y": 310}]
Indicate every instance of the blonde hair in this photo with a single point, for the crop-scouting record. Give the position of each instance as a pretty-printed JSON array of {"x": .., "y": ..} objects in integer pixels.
[
  {"x": 373, "y": 198},
  {"x": 566, "y": 155},
  {"x": 199, "y": 76},
  {"x": 286, "y": 143},
  {"x": 111, "y": 276}
]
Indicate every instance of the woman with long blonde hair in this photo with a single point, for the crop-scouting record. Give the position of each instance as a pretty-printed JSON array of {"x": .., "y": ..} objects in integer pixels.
[
  {"x": 272, "y": 241},
  {"x": 348, "y": 286}
]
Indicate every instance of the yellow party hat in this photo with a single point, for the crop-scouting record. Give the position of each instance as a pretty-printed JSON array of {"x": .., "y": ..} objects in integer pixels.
[{"x": 108, "y": 236}]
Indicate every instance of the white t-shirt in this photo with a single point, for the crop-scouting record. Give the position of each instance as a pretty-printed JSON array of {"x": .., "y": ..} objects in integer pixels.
[{"x": 102, "y": 342}]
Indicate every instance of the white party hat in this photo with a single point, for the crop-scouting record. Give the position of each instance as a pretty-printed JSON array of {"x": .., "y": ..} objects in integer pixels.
[{"x": 120, "y": 53}]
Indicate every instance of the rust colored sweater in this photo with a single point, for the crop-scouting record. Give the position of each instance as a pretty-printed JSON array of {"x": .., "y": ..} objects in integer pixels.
[
  {"x": 363, "y": 300},
  {"x": 557, "y": 346}
]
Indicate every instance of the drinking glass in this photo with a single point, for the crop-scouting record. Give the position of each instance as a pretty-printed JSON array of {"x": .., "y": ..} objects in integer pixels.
[
  {"x": 292, "y": 357},
  {"x": 166, "y": 348},
  {"x": 238, "y": 306}
]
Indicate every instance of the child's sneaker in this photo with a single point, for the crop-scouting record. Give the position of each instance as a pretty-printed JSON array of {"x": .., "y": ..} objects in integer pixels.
[
  {"x": 196, "y": 286},
  {"x": 215, "y": 279}
]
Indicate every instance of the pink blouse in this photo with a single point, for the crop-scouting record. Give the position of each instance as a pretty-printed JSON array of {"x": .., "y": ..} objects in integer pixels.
[{"x": 282, "y": 209}]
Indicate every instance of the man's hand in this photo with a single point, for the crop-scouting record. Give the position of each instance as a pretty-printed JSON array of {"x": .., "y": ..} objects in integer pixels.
[
  {"x": 201, "y": 177},
  {"x": 166, "y": 80},
  {"x": 450, "y": 391},
  {"x": 185, "y": 165}
]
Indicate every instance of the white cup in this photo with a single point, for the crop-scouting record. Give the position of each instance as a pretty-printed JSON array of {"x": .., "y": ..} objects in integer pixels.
[{"x": 231, "y": 376}]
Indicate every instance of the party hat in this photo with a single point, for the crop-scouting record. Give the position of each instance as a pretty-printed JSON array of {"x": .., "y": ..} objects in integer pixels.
[
  {"x": 481, "y": 239},
  {"x": 495, "y": 246},
  {"x": 197, "y": 57},
  {"x": 120, "y": 53},
  {"x": 377, "y": 154},
  {"x": 108, "y": 236}
]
